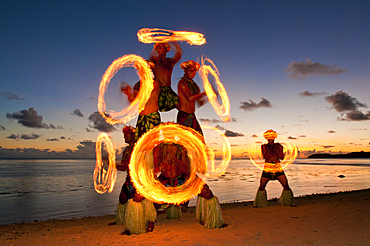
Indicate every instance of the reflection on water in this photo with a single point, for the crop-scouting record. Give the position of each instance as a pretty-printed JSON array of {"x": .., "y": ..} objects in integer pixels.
[{"x": 48, "y": 189}]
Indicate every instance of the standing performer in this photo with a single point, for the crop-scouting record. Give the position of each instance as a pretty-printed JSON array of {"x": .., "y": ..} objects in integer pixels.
[
  {"x": 149, "y": 117},
  {"x": 273, "y": 153},
  {"x": 134, "y": 212},
  {"x": 173, "y": 164},
  {"x": 162, "y": 68},
  {"x": 189, "y": 94}
]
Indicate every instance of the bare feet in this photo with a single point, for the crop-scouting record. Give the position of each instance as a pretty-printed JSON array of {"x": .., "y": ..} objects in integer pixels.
[{"x": 150, "y": 226}]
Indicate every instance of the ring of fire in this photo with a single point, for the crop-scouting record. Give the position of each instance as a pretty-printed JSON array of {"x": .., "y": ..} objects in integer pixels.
[
  {"x": 145, "y": 74},
  {"x": 141, "y": 163},
  {"x": 255, "y": 153},
  {"x": 104, "y": 180},
  {"x": 153, "y": 35},
  {"x": 222, "y": 110}
]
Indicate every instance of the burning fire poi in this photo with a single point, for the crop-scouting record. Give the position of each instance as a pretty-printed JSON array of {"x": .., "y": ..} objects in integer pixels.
[
  {"x": 154, "y": 35},
  {"x": 256, "y": 157}
]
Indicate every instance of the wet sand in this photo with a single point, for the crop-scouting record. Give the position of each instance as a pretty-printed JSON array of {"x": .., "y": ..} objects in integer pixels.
[{"x": 328, "y": 219}]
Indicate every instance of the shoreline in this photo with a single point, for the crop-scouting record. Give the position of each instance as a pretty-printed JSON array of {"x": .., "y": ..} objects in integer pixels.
[{"x": 329, "y": 219}]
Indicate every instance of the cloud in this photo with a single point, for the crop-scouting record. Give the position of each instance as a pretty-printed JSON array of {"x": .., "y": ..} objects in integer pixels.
[
  {"x": 88, "y": 130},
  {"x": 220, "y": 127},
  {"x": 2, "y": 128},
  {"x": 264, "y": 103},
  {"x": 31, "y": 136},
  {"x": 214, "y": 121},
  {"x": 293, "y": 138},
  {"x": 99, "y": 123},
  {"x": 62, "y": 137},
  {"x": 52, "y": 139},
  {"x": 229, "y": 133},
  {"x": 30, "y": 118},
  {"x": 327, "y": 146},
  {"x": 10, "y": 96},
  {"x": 331, "y": 131},
  {"x": 348, "y": 106},
  {"x": 311, "y": 94},
  {"x": 302, "y": 136},
  {"x": 302, "y": 70},
  {"x": 78, "y": 113}
]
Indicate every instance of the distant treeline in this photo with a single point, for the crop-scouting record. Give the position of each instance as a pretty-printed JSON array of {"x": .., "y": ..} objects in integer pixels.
[{"x": 361, "y": 154}]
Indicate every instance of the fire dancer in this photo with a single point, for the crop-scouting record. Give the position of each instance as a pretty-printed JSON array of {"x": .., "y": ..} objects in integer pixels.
[
  {"x": 149, "y": 117},
  {"x": 189, "y": 94},
  {"x": 134, "y": 212},
  {"x": 162, "y": 68},
  {"x": 173, "y": 163},
  {"x": 273, "y": 153}
]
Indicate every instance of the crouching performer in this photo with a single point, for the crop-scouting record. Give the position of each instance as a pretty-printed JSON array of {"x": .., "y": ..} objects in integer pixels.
[
  {"x": 134, "y": 212},
  {"x": 273, "y": 153}
]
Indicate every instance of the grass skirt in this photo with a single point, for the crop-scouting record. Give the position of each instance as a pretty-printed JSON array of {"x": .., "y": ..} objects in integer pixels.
[
  {"x": 121, "y": 212},
  {"x": 174, "y": 212},
  {"x": 209, "y": 213},
  {"x": 261, "y": 199},
  {"x": 138, "y": 214},
  {"x": 287, "y": 198}
]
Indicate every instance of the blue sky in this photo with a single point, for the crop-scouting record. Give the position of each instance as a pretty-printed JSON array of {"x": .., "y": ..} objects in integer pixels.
[{"x": 299, "y": 67}]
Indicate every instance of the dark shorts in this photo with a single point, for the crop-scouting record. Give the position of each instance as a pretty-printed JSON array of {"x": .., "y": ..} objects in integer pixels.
[
  {"x": 271, "y": 175},
  {"x": 167, "y": 99},
  {"x": 188, "y": 120},
  {"x": 146, "y": 122}
]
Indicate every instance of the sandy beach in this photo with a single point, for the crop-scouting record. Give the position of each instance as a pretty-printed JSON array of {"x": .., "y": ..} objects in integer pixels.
[{"x": 327, "y": 219}]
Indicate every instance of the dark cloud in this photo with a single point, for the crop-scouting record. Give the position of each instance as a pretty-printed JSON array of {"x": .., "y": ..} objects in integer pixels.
[
  {"x": 359, "y": 129},
  {"x": 229, "y": 133},
  {"x": 78, "y": 113},
  {"x": 302, "y": 136},
  {"x": 302, "y": 70},
  {"x": 30, "y": 118},
  {"x": 10, "y": 96},
  {"x": 331, "y": 131},
  {"x": 220, "y": 128},
  {"x": 89, "y": 130},
  {"x": 52, "y": 139},
  {"x": 13, "y": 136},
  {"x": 31, "y": 136},
  {"x": 2, "y": 128},
  {"x": 311, "y": 94},
  {"x": 348, "y": 106},
  {"x": 99, "y": 123},
  {"x": 214, "y": 121},
  {"x": 293, "y": 138},
  {"x": 62, "y": 137},
  {"x": 264, "y": 103},
  {"x": 327, "y": 146}
]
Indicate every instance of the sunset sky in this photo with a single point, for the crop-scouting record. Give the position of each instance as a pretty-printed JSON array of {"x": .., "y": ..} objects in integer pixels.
[{"x": 301, "y": 68}]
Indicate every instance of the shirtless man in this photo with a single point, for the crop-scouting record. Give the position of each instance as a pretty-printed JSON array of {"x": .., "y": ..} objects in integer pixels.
[
  {"x": 272, "y": 153},
  {"x": 132, "y": 203},
  {"x": 162, "y": 68},
  {"x": 149, "y": 117},
  {"x": 173, "y": 164},
  {"x": 189, "y": 94}
]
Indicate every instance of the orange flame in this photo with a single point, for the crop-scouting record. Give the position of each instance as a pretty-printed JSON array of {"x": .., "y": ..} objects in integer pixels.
[
  {"x": 222, "y": 110},
  {"x": 154, "y": 35},
  {"x": 141, "y": 163},
  {"x": 145, "y": 75},
  {"x": 256, "y": 157},
  {"x": 226, "y": 154},
  {"x": 104, "y": 180}
]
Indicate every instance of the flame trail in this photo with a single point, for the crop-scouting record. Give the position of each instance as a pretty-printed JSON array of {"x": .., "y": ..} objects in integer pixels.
[
  {"x": 226, "y": 154},
  {"x": 145, "y": 75},
  {"x": 222, "y": 110},
  {"x": 256, "y": 157},
  {"x": 104, "y": 180},
  {"x": 154, "y": 35},
  {"x": 141, "y": 163}
]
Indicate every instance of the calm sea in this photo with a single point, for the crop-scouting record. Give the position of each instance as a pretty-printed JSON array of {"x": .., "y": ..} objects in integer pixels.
[{"x": 35, "y": 190}]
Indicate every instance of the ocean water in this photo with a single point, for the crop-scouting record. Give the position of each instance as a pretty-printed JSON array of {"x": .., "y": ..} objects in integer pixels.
[{"x": 37, "y": 190}]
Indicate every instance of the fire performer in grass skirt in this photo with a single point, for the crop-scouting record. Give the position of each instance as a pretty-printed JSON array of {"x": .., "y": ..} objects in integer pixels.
[
  {"x": 149, "y": 117},
  {"x": 273, "y": 153},
  {"x": 162, "y": 68},
  {"x": 173, "y": 164},
  {"x": 134, "y": 212},
  {"x": 189, "y": 94}
]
